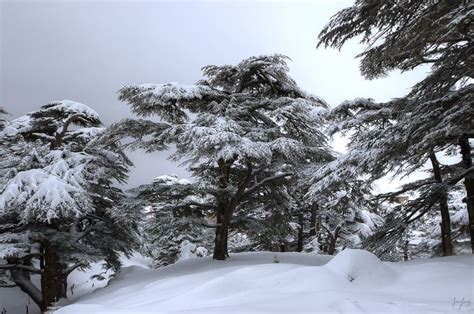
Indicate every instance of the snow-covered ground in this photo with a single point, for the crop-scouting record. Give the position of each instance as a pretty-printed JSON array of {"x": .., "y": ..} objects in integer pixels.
[
  {"x": 353, "y": 281},
  {"x": 14, "y": 301}
]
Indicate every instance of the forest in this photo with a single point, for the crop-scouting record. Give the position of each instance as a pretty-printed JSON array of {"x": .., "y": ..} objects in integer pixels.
[{"x": 263, "y": 174}]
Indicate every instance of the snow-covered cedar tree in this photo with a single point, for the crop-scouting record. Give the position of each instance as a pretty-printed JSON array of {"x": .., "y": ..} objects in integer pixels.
[
  {"x": 342, "y": 212},
  {"x": 381, "y": 144},
  {"x": 422, "y": 237},
  {"x": 266, "y": 219},
  {"x": 242, "y": 130},
  {"x": 437, "y": 114},
  {"x": 57, "y": 199},
  {"x": 173, "y": 229}
]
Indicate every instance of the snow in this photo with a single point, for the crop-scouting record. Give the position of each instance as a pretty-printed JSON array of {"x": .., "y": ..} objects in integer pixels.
[
  {"x": 80, "y": 283},
  {"x": 175, "y": 90},
  {"x": 36, "y": 190},
  {"x": 354, "y": 281},
  {"x": 190, "y": 250},
  {"x": 21, "y": 124},
  {"x": 360, "y": 267},
  {"x": 71, "y": 107},
  {"x": 170, "y": 179}
]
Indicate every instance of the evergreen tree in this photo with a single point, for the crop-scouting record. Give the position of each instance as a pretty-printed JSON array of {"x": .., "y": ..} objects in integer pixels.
[
  {"x": 343, "y": 211},
  {"x": 243, "y": 131},
  {"x": 175, "y": 220},
  {"x": 57, "y": 199},
  {"x": 437, "y": 115},
  {"x": 380, "y": 145}
]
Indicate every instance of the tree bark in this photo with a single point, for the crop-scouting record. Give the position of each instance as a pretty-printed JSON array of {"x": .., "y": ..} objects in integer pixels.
[
  {"x": 333, "y": 241},
  {"x": 22, "y": 279},
  {"x": 333, "y": 236},
  {"x": 314, "y": 228},
  {"x": 220, "y": 241},
  {"x": 53, "y": 279},
  {"x": 227, "y": 206},
  {"x": 443, "y": 206},
  {"x": 299, "y": 247},
  {"x": 220, "y": 245},
  {"x": 468, "y": 184}
]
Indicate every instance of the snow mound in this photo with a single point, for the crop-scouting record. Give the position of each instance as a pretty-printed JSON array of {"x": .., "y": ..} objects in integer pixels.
[
  {"x": 298, "y": 283},
  {"x": 360, "y": 267}
]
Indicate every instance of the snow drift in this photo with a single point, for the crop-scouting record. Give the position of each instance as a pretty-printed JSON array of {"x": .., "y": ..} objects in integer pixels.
[
  {"x": 353, "y": 281},
  {"x": 361, "y": 267}
]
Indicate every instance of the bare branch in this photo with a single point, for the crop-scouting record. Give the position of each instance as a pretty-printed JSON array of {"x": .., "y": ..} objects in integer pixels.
[
  {"x": 30, "y": 269},
  {"x": 70, "y": 269},
  {"x": 10, "y": 285}
]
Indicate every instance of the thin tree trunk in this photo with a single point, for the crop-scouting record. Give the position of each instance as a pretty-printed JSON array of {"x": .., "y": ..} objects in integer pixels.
[
  {"x": 220, "y": 239},
  {"x": 332, "y": 245},
  {"x": 299, "y": 247},
  {"x": 443, "y": 205},
  {"x": 313, "y": 220},
  {"x": 405, "y": 250},
  {"x": 333, "y": 240},
  {"x": 468, "y": 184}
]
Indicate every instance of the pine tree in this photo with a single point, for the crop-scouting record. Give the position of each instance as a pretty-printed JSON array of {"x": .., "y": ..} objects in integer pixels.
[
  {"x": 437, "y": 114},
  {"x": 57, "y": 199},
  {"x": 243, "y": 130}
]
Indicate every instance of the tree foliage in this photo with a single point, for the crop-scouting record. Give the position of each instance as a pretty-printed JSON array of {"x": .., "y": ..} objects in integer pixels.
[
  {"x": 241, "y": 130},
  {"x": 402, "y": 135},
  {"x": 57, "y": 199}
]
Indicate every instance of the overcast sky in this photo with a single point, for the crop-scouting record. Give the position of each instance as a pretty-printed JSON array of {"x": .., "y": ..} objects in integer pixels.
[{"x": 86, "y": 50}]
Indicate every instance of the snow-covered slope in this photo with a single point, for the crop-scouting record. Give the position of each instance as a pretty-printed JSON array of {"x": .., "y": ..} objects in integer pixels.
[
  {"x": 353, "y": 281},
  {"x": 80, "y": 283}
]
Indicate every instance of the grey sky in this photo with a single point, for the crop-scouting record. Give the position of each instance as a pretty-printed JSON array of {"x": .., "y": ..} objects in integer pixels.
[{"x": 86, "y": 50}]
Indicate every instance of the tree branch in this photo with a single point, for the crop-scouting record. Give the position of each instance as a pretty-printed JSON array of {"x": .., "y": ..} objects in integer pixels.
[
  {"x": 30, "y": 269},
  {"x": 458, "y": 178},
  {"x": 204, "y": 205},
  {"x": 205, "y": 224},
  {"x": 70, "y": 269},
  {"x": 257, "y": 185},
  {"x": 408, "y": 187}
]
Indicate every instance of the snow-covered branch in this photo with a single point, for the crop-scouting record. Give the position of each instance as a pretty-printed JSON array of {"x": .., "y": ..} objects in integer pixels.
[{"x": 261, "y": 183}]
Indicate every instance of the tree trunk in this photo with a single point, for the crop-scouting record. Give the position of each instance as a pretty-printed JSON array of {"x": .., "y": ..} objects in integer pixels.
[
  {"x": 468, "y": 184},
  {"x": 220, "y": 245},
  {"x": 220, "y": 242},
  {"x": 405, "y": 250},
  {"x": 53, "y": 279},
  {"x": 332, "y": 246},
  {"x": 333, "y": 240},
  {"x": 22, "y": 279},
  {"x": 443, "y": 206},
  {"x": 226, "y": 206},
  {"x": 299, "y": 247},
  {"x": 313, "y": 229}
]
